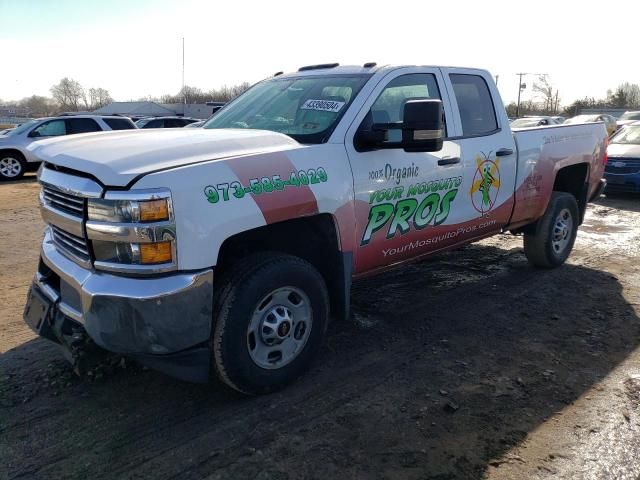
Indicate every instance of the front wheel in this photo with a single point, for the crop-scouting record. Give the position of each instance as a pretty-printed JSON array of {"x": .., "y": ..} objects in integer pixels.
[
  {"x": 553, "y": 240},
  {"x": 12, "y": 166},
  {"x": 270, "y": 320}
]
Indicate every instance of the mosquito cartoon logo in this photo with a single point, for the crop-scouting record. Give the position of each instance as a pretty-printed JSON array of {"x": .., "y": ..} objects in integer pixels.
[{"x": 486, "y": 183}]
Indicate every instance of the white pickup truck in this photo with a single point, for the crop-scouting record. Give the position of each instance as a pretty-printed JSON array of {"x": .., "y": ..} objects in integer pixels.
[{"x": 227, "y": 249}]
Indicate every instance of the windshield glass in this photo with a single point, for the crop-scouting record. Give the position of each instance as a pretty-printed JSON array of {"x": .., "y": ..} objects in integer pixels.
[
  {"x": 628, "y": 135},
  {"x": 630, "y": 116},
  {"x": 25, "y": 126},
  {"x": 525, "y": 122},
  {"x": 305, "y": 108}
]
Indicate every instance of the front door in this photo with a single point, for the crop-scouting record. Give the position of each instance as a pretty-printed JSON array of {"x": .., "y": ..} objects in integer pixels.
[{"x": 405, "y": 202}]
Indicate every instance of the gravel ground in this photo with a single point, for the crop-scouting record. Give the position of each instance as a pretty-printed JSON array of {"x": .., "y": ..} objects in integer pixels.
[{"x": 471, "y": 365}]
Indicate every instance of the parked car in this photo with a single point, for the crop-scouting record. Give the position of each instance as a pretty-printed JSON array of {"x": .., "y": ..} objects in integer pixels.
[
  {"x": 531, "y": 122},
  {"x": 16, "y": 159},
  {"x": 165, "y": 122},
  {"x": 609, "y": 121},
  {"x": 225, "y": 250},
  {"x": 628, "y": 117},
  {"x": 195, "y": 124},
  {"x": 622, "y": 171}
]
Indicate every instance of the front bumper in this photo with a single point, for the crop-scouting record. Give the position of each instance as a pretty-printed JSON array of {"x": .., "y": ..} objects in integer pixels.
[
  {"x": 622, "y": 183},
  {"x": 152, "y": 318}
]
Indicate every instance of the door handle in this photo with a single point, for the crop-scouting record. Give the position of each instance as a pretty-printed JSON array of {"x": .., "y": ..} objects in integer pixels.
[
  {"x": 504, "y": 152},
  {"x": 448, "y": 160}
]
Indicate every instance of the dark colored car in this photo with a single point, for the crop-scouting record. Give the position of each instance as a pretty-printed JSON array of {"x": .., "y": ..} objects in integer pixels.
[
  {"x": 165, "y": 122},
  {"x": 623, "y": 169}
]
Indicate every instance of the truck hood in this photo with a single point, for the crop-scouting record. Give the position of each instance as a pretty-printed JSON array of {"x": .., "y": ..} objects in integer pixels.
[
  {"x": 615, "y": 150},
  {"x": 116, "y": 158}
]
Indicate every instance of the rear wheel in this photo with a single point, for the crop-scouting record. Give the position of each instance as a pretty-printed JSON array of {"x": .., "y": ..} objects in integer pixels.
[
  {"x": 270, "y": 320},
  {"x": 553, "y": 241},
  {"x": 12, "y": 166}
]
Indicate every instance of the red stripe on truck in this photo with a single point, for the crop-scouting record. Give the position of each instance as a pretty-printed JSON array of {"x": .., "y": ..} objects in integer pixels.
[{"x": 276, "y": 206}]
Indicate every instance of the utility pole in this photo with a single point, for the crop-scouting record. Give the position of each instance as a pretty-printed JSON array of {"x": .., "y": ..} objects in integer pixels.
[
  {"x": 184, "y": 95},
  {"x": 520, "y": 75},
  {"x": 520, "y": 88}
]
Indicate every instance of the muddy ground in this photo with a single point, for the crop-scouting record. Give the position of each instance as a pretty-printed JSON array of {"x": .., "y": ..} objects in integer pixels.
[{"x": 471, "y": 365}]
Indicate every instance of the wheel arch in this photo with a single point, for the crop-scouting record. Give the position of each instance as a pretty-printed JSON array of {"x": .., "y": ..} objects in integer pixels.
[
  {"x": 314, "y": 238},
  {"x": 13, "y": 151},
  {"x": 573, "y": 179}
]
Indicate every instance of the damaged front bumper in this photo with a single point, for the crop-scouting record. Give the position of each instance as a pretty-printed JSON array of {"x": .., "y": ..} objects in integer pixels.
[{"x": 162, "y": 321}]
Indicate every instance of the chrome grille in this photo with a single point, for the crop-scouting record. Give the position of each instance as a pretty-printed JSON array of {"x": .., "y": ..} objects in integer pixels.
[
  {"x": 73, "y": 246},
  {"x": 63, "y": 201}
]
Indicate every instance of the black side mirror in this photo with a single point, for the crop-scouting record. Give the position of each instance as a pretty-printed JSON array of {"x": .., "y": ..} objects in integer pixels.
[
  {"x": 422, "y": 129},
  {"x": 34, "y": 134},
  {"x": 423, "y": 126}
]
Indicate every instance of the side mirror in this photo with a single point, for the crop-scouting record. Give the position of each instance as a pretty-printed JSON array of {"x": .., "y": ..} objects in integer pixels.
[
  {"x": 423, "y": 126},
  {"x": 34, "y": 134}
]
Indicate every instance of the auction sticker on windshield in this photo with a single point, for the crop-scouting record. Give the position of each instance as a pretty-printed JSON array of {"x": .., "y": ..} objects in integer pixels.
[{"x": 323, "y": 105}]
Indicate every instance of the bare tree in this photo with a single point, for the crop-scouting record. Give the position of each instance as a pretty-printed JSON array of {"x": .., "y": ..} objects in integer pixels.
[
  {"x": 548, "y": 93},
  {"x": 196, "y": 95},
  {"x": 69, "y": 94},
  {"x": 38, "y": 106},
  {"x": 98, "y": 98},
  {"x": 626, "y": 95}
]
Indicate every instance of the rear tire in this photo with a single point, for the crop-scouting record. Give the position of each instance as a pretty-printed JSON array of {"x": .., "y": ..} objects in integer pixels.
[
  {"x": 270, "y": 320},
  {"x": 12, "y": 166},
  {"x": 551, "y": 244}
]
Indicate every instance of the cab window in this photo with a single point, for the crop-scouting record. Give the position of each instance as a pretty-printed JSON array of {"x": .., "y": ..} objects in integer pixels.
[
  {"x": 477, "y": 113},
  {"x": 389, "y": 106}
]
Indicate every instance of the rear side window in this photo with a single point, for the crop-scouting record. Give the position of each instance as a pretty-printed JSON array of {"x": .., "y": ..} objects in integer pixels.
[
  {"x": 174, "y": 123},
  {"x": 119, "y": 123},
  {"x": 477, "y": 112},
  {"x": 154, "y": 124},
  {"x": 82, "y": 125}
]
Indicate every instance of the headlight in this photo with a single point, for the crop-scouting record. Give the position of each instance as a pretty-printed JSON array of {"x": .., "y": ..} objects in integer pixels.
[
  {"x": 133, "y": 232},
  {"x": 129, "y": 211}
]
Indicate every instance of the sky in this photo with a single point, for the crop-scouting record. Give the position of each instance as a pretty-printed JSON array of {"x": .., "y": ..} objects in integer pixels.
[{"x": 133, "y": 48}]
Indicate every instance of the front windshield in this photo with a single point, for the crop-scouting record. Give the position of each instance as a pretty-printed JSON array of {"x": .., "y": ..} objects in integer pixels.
[
  {"x": 629, "y": 135},
  {"x": 630, "y": 116},
  {"x": 305, "y": 108},
  {"x": 23, "y": 127}
]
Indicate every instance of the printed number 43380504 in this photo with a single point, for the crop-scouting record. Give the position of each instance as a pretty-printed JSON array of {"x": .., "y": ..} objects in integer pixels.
[{"x": 259, "y": 186}]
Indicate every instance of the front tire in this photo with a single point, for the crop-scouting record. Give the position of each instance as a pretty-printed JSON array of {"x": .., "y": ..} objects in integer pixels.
[
  {"x": 270, "y": 321},
  {"x": 551, "y": 244},
  {"x": 12, "y": 166}
]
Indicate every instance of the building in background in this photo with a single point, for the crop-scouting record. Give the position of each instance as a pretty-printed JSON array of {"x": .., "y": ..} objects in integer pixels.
[{"x": 153, "y": 109}]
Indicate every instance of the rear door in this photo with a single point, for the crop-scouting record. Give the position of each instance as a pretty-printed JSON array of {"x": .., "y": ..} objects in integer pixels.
[{"x": 487, "y": 149}]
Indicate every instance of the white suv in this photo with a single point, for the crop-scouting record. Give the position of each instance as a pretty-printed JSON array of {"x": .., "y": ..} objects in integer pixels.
[{"x": 15, "y": 159}]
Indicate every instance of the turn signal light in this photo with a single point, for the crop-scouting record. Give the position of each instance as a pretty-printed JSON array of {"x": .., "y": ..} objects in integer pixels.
[
  {"x": 154, "y": 211},
  {"x": 151, "y": 253}
]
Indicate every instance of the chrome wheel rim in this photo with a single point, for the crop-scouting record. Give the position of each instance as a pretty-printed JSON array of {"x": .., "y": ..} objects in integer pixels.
[
  {"x": 562, "y": 229},
  {"x": 10, "y": 167},
  {"x": 279, "y": 328}
]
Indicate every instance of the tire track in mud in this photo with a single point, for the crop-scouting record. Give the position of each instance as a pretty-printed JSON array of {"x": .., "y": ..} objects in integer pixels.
[{"x": 365, "y": 375}]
